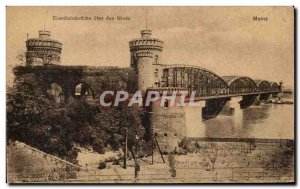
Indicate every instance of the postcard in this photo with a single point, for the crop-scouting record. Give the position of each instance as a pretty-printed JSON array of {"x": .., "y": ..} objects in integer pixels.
[{"x": 150, "y": 95}]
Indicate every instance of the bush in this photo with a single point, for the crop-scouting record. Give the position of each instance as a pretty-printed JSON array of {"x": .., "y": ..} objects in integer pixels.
[
  {"x": 35, "y": 118},
  {"x": 182, "y": 152},
  {"x": 187, "y": 145},
  {"x": 116, "y": 162}
]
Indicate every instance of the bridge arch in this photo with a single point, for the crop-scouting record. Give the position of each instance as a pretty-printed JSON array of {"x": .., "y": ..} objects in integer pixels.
[
  {"x": 194, "y": 78},
  {"x": 263, "y": 86},
  {"x": 55, "y": 91},
  {"x": 240, "y": 84}
]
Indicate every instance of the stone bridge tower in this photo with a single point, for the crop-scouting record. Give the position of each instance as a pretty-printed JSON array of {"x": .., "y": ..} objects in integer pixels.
[
  {"x": 167, "y": 122},
  {"x": 146, "y": 59},
  {"x": 43, "y": 50}
]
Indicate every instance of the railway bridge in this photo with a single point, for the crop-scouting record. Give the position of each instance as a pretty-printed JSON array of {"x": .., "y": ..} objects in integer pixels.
[
  {"x": 146, "y": 73},
  {"x": 169, "y": 123},
  {"x": 205, "y": 85}
]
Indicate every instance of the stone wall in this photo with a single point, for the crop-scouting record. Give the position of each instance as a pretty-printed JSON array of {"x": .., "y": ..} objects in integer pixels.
[
  {"x": 97, "y": 79},
  {"x": 23, "y": 159},
  {"x": 168, "y": 126},
  {"x": 168, "y": 122}
]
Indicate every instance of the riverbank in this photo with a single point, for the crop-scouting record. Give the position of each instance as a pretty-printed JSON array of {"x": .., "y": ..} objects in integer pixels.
[{"x": 210, "y": 162}]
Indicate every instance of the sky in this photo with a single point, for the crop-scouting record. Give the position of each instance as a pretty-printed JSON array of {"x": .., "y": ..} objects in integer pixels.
[{"x": 224, "y": 40}]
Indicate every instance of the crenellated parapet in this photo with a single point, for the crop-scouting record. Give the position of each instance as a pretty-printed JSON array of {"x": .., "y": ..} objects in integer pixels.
[
  {"x": 146, "y": 59},
  {"x": 39, "y": 43},
  {"x": 144, "y": 54},
  {"x": 146, "y": 44}
]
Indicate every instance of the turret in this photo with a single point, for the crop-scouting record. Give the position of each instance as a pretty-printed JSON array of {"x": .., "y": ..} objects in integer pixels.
[
  {"x": 43, "y": 50},
  {"x": 44, "y": 34}
]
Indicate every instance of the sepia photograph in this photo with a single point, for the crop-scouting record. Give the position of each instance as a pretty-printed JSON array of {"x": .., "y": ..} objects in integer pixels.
[{"x": 150, "y": 94}]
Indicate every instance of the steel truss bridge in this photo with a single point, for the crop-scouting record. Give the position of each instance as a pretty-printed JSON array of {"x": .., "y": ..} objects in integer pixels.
[
  {"x": 209, "y": 85},
  {"x": 215, "y": 90}
]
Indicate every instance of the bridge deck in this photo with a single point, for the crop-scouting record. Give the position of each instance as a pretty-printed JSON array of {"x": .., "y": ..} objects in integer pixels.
[{"x": 202, "y": 98}]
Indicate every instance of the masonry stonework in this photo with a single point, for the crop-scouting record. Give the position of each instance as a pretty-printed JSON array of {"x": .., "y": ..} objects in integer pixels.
[
  {"x": 167, "y": 123},
  {"x": 167, "y": 118},
  {"x": 146, "y": 59}
]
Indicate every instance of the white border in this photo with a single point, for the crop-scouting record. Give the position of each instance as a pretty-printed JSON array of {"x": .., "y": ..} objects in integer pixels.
[{"x": 5, "y": 3}]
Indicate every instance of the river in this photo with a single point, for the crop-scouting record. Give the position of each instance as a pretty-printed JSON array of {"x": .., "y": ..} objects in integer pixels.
[{"x": 267, "y": 121}]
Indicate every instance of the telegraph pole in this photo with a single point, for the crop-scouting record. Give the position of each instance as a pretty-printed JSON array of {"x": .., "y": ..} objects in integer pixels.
[
  {"x": 137, "y": 166},
  {"x": 161, "y": 155},
  {"x": 126, "y": 149},
  {"x": 152, "y": 148}
]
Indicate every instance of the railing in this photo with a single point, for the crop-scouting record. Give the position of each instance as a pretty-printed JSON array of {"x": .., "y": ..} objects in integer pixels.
[{"x": 234, "y": 175}]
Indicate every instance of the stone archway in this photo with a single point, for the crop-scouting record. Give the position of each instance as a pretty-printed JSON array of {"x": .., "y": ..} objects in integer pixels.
[{"x": 56, "y": 92}]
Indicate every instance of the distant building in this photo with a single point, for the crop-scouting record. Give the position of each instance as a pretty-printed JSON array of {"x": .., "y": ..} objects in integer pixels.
[{"x": 43, "y": 50}]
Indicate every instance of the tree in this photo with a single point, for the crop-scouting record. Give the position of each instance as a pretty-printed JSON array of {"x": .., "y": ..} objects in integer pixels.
[
  {"x": 37, "y": 119},
  {"x": 34, "y": 119}
]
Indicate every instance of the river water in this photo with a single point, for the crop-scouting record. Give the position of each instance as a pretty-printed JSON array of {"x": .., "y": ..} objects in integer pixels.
[{"x": 267, "y": 121}]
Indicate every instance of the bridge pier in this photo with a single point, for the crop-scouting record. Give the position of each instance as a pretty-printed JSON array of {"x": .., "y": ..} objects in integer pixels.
[
  {"x": 227, "y": 110},
  {"x": 213, "y": 107},
  {"x": 247, "y": 101},
  {"x": 168, "y": 122},
  {"x": 274, "y": 95}
]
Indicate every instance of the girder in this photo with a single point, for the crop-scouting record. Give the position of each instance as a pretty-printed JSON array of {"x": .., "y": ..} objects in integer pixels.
[
  {"x": 204, "y": 82},
  {"x": 263, "y": 85},
  {"x": 240, "y": 84},
  {"x": 207, "y": 83},
  {"x": 274, "y": 86}
]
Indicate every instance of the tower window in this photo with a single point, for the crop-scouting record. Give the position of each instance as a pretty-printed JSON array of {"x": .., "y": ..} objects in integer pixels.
[
  {"x": 166, "y": 73},
  {"x": 156, "y": 59},
  {"x": 165, "y": 134},
  {"x": 175, "y": 134},
  {"x": 156, "y": 73}
]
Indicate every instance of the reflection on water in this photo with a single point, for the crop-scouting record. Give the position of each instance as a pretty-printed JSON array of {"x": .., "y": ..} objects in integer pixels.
[{"x": 265, "y": 121}]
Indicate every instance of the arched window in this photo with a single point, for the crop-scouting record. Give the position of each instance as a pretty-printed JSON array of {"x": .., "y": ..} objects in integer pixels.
[
  {"x": 78, "y": 89},
  {"x": 83, "y": 90},
  {"x": 166, "y": 73},
  {"x": 166, "y": 103},
  {"x": 56, "y": 92}
]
